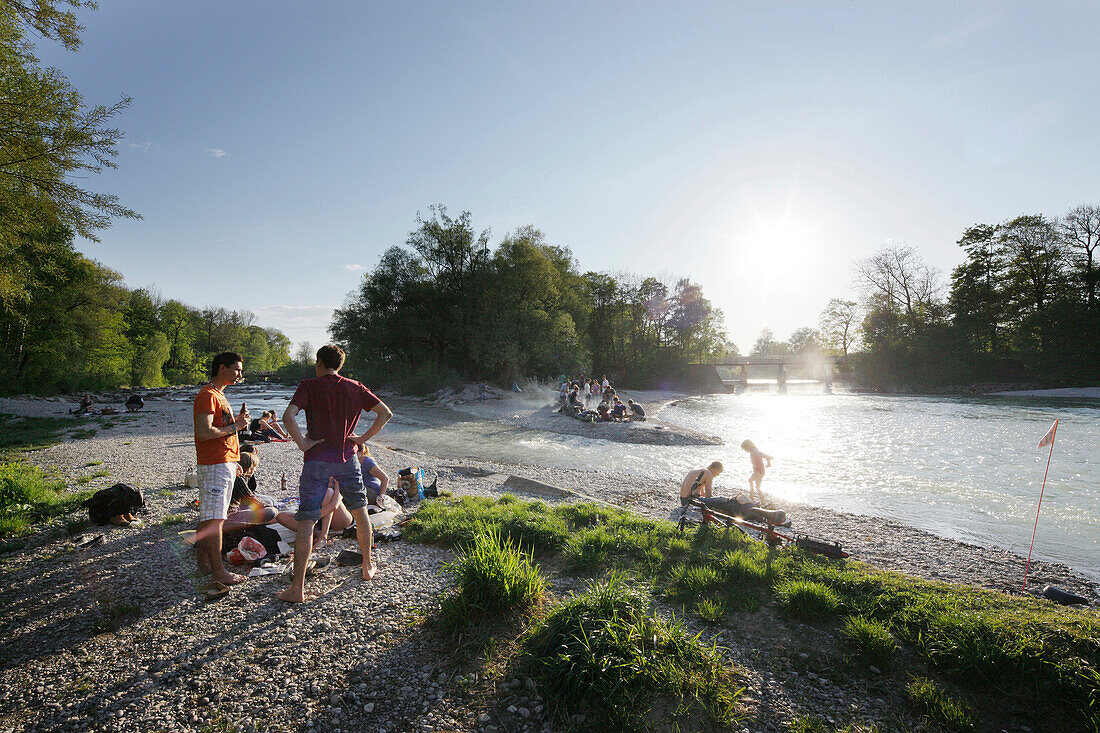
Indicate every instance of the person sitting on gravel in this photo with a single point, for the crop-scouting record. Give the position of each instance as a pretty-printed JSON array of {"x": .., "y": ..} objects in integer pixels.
[
  {"x": 604, "y": 410},
  {"x": 375, "y": 479},
  {"x": 246, "y": 507},
  {"x": 85, "y": 405},
  {"x": 698, "y": 484},
  {"x": 637, "y": 413},
  {"x": 267, "y": 425},
  {"x": 334, "y": 516},
  {"x": 618, "y": 412}
]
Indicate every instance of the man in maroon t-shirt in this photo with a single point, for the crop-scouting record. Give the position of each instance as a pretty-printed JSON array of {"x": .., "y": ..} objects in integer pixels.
[{"x": 332, "y": 405}]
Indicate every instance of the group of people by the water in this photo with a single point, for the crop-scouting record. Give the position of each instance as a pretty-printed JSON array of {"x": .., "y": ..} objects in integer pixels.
[
  {"x": 339, "y": 478},
  {"x": 332, "y": 493},
  {"x": 578, "y": 396}
]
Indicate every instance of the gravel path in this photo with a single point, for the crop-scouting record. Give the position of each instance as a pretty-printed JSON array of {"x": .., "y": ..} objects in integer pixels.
[{"x": 356, "y": 658}]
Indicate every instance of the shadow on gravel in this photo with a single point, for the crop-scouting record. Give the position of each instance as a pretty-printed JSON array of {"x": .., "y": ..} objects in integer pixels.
[{"x": 58, "y": 600}]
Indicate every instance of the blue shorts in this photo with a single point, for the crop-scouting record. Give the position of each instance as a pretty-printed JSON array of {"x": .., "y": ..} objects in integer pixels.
[{"x": 314, "y": 485}]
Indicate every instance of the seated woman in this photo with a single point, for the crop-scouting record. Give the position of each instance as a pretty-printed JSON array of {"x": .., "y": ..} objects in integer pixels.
[
  {"x": 374, "y": 478},
  {"x": 267, "y": 424},
  {"x": 246, "y": 507},
  {"x": 604, "y": 410}
]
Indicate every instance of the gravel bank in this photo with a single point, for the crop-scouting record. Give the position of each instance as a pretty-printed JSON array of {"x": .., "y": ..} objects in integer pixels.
[{"x": 355, "y": 659}]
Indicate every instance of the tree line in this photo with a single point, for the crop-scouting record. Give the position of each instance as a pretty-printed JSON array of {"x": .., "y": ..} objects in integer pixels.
[
  {"x": 1022, "y": 306},
  {"x": 66, "y": 321},
  {"x": 445, "y": 308}
]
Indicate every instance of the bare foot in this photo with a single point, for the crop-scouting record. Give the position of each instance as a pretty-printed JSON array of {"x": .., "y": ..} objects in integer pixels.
[
  {"x": 292, "y": 596},
  {"x": 229, "y": 578},
  {"x": 369, "y": 572}
]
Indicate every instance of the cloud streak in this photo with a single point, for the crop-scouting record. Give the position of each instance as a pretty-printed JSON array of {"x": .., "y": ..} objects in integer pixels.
[
  {"x": 142, "y": 147},
  {"x": 353, "y": 268},
  {"x": 215, "y": 152}
]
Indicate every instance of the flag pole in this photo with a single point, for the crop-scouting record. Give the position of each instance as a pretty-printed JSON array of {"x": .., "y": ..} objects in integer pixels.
[{"x": 1053, "y": 432}]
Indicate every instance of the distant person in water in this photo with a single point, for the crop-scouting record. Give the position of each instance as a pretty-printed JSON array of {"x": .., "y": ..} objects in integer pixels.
[
  {"x": 332, "y": 404},
  {"x": 758, "y": 457}
]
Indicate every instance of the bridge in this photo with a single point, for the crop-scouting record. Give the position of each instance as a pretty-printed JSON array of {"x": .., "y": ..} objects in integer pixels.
[{"x": 818, "y": 366}]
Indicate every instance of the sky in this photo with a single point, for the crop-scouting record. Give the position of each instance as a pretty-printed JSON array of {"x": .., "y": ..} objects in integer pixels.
[{"x": 276, "y": 149}]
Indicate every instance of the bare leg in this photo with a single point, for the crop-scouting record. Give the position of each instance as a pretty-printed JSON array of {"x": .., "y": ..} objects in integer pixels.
[
  {"x": 303, "y": 547},
  {"x": 364, "y": 532},
  {"x": 208, "y": 547}
]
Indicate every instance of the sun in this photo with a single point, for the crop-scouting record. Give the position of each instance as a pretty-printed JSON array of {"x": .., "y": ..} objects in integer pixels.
[{"x": 776, "y": 250}]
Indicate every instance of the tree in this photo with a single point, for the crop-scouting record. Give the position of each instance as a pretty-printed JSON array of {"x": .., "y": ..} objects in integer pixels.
[
  {"x": 837, "y": 324},
  {"x": 766, "y": 345},
  {"x": 977, "y": 299},
  {"x": 1081, "y": 230},
  {"x": 47, "y": 137},
  {"x": 804, "y": 340},
  {"x": 1035, "y": 256},
  {"x": 901, "y": 279}
]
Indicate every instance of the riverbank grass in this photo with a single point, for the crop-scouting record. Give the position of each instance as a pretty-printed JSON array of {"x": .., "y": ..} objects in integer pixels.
[
  {"x": 1022, "y": 653},
  {"x": 28, "y": 496}
]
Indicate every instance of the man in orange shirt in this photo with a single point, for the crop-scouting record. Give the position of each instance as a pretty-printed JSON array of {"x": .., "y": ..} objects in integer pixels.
[{"x": 217, "y": 450}]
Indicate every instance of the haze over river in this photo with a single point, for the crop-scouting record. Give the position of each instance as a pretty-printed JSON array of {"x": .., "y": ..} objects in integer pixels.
[{"x": 962, "y": 467}]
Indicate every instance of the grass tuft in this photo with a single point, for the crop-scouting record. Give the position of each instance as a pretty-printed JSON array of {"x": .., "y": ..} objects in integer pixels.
[
  {"x": 27, "y": 496},
  {"x": 91, "y": 476},
  {"x": 604, "y": 653},
  {"x": 173, "y": 519},
  {"x": 493, "y": 576},
  {"x": 934, "y": 703},
  {"x": 871, "y": 639},
  {"x": 116, "y": 616},
  {"x": 807, "y": 600}
]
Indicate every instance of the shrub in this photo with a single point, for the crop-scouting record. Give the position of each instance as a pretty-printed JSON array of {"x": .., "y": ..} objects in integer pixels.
[
  {"x": 934, "y": 703},
  {"x": 807, "y": 600},
  {"x": 871, "y": 639}
]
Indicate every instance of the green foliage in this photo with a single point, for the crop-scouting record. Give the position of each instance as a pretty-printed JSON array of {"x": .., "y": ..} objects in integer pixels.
[
  {"x": 871, "y": 639},
  {"x": 1022, "y": 306},
  {"x": 28, "y": 496},
  {"x": 603, "y": 653},
  {"x": 493, "y": 577},
  {"x": 934, "y": 703},
  {"x": 116, "y": 616},
  {"x": 993, "y": 642},
  {"x": 445, "y": 309}
]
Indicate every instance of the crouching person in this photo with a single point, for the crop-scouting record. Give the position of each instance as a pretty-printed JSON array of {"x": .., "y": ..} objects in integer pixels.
[{"x": 332, "y": 404}]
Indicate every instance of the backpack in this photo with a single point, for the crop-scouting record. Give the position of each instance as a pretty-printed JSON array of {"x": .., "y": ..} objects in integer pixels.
[{"x": 109, "y": 502}]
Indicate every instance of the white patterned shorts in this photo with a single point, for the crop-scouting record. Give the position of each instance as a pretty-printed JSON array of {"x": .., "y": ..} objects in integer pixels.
[{"x": 215, "y": 490}]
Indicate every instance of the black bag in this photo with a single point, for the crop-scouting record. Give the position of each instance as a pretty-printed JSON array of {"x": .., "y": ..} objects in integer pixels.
[{"x": 110, "y": 502}]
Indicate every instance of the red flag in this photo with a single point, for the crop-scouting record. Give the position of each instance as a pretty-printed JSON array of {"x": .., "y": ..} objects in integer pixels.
[{"x": 1049, "y": 437}]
